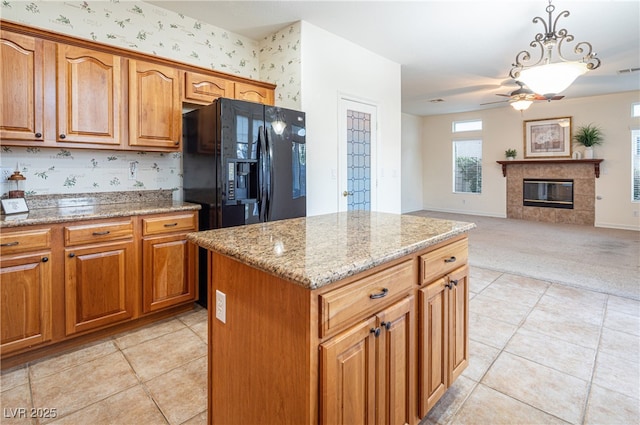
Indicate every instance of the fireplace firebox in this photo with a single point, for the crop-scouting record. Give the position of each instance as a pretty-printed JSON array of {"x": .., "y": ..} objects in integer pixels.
[{"x": 553, "y": 193}]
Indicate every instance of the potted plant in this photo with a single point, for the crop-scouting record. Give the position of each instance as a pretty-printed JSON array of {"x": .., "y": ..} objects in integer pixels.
[
  {"x": 511, "y": 154},
  {"x": 588, "y": 136}
]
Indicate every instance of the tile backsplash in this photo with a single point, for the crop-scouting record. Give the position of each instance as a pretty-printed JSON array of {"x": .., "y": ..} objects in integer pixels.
[{"x": 54, "y": 171}]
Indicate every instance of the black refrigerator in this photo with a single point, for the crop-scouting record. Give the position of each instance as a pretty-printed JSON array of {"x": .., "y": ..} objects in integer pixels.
[{"x": 242, "y": 166}]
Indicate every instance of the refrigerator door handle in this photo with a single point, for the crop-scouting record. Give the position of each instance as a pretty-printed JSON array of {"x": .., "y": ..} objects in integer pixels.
[
  {"x": 263, "y": 174},
  {"x": 269, "y": 176}
]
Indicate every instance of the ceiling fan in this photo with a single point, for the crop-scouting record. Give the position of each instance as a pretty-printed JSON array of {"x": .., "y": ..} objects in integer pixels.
[{"x": 521, "y": 98}]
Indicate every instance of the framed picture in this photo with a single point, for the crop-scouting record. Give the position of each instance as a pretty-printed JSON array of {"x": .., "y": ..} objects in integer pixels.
[{"x": 548, "y": 138}]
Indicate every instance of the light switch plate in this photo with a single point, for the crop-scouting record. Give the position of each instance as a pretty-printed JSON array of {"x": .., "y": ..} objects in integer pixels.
[{"x": 221, "y": 306}]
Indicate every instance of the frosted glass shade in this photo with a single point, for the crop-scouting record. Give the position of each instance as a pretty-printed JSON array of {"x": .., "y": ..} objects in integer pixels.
[
  {"x": 521, "y": 105},
  {"x": 549, "y": 80}
]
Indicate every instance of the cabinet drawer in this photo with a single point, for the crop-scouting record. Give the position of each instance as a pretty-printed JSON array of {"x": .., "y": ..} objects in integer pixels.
[
  {"x": 167, "y": 224},
  {"x": 340, "y": 307},
  {"x": 99, "y": 232},
  {"x": 443, "y": 260},
  {"x": 29, "y": 240}
]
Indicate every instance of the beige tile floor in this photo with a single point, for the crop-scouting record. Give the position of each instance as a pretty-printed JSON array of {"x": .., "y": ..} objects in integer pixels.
[{"x": 541, "y": 353}]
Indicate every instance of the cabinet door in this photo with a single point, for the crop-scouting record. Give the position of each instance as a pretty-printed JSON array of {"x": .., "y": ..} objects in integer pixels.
[
  {"x": 155, "y": 106},
  {"x": 204, "y": 89},
  {"x": 25, "y": 302},
  {"x": 22, "y": 87},
  {"x": 395, "y": 365},
  {"x": 99, "y": 285},
  {"x": 169, "y": 268},
  {"x": 89, "y": 96},
  {"x": 253, "y": 93},
  {"x": 432, "y": 344},
  {"x": 458, "y": 322},
  {"x": 347, "y": 382}
]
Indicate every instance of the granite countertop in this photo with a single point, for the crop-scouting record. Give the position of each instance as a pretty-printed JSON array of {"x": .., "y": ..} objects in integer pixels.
[
  {"x": 315, "y": 251},
  {"x": 60, "y": 209}
]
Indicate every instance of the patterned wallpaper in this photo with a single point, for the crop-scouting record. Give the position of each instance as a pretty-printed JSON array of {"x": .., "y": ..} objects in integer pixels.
[
  {"x": 53, "y": 171},
  {"x": 140, "y": 26}
]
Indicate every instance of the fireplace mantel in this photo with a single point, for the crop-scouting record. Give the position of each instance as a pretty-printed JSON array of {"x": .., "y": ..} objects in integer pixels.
[{"x": 595, "y": 162}]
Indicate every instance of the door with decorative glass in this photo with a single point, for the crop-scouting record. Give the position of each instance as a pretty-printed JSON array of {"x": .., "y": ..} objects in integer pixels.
[{"x": 357, "y": 156}]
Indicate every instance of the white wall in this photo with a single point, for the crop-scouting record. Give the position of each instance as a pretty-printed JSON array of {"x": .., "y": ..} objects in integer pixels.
[
  {"x": 503, "y": 129},
  {"x": 332, "y": 66},
  {"x": 411, "y": 163}
]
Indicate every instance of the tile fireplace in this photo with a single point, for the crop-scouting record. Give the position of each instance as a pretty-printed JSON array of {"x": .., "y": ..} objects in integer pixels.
[{"x": 538, "y": 173}]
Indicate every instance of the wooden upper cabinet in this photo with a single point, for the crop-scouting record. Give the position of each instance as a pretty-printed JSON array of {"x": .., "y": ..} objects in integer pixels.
[
  {"x": 89, "y": 96},
  {"x": 204, "y": 89},
  {"x": 21, "y": 87},
  {"x": 253, "y": 93},
  {"x": 155, "y": 106}
]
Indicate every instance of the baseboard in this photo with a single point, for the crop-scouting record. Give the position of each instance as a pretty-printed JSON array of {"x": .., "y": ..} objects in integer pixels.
[
  {"x": 479, "y": 213},
  {"x": 617, "y": 226}
]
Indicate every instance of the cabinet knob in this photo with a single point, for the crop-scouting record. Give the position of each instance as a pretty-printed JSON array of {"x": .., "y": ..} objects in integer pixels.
[
  {"x": 454, "y": 281},
  {"x": 177, "y": 142},
  {"x": 448, "y": 285},
  {"x": 375, "y": 332},
  {"x": 386, "y": 325},
  {"x": 38, "y": 135},
  {"x": 72, "y": 255},
  {"x": 63, "y": 136},
  {"x": 45, "y": 259},
  {"x": 451, "y": 259}
]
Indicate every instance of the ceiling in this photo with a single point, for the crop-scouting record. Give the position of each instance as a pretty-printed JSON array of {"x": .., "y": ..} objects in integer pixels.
[{"x": 458, "y": 51}]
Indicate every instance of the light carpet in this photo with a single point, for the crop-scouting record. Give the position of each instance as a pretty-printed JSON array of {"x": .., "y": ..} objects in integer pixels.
[{"x": 595, "y": 258}]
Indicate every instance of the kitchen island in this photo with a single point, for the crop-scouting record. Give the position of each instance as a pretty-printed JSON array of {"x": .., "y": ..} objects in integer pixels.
[{"x": 355, "y": 317}]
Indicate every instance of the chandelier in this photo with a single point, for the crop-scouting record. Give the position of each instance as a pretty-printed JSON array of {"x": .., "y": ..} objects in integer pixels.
[{"x": 545, "y": 76}]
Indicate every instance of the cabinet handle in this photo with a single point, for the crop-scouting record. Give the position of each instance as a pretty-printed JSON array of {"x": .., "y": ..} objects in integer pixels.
[
  {"x": 375, "y": 332},
  {"x": 177, "y": 142},
  {"x": 63, "y": 136},
  {"x": 171, "y": 225},
  {"x": 379, "y": 294},
  {"x": 72, "y": 255},
  {"x": 386, "y": 325},
  {"x": 454, "y": 281},
  {"x": 45, "y": 259},
  {"x": 38, "y": 135},
  {"x": 448, "y": 285},
  {"x": 451, "y": 259},
  {"x": 10, "y": 243},
  {"x": 106, "y": 232}
]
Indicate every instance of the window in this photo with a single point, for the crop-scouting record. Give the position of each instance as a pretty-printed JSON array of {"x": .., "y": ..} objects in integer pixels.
[
  {"x": 467, "y": 166},
  {"x": 635, "y": 110},
  {"x": 635, "y": 145},
  {"x": 459, "y": 126}
]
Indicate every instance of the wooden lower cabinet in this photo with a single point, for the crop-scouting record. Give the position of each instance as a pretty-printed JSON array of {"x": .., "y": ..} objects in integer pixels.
[
  {"x": 100, "y": 283},
  {"x": 443, "y": 335},
  {"x": 25, "y": 301},
  {"x": 379, "y": 347},
  {"x": 168, "y": 272},
  {"x": 366, "y": 371}
]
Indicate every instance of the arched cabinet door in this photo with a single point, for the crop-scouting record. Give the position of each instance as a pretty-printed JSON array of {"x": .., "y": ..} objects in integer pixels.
[
  {"x": 21, "y": 87},
  {"x": 89, "y": 96},
  {"x": 155, "y": 106}
]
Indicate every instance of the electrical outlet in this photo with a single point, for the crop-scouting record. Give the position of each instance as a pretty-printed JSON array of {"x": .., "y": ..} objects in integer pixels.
[
  {"x": 6, "y": 173},
  {"x": 221, "y": 306},
  {"x": 133, "y": 170}
]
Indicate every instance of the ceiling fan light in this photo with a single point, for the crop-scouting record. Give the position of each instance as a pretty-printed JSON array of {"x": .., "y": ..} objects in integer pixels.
[
  {"x": 551, "y": 79},
  {"x": 521, "y": 105}
]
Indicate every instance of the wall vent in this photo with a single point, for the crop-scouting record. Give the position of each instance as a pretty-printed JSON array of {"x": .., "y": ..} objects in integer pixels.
[{"x": 628, "y": 70}]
